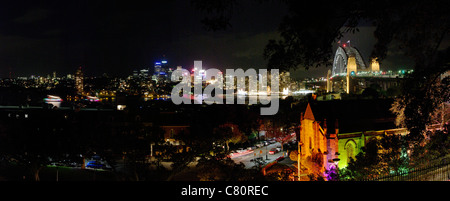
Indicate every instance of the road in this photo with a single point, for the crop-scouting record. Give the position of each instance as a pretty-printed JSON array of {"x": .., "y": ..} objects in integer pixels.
[{"x": 245, "y": 159}]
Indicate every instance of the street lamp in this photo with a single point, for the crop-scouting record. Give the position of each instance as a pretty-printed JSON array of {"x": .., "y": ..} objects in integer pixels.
[
  {"x": 299, "y": 150},
  {"x": 266, "y": 152}
]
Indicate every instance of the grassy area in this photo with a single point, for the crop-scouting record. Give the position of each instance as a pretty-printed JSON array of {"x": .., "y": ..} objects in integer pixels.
[{"x": 72, "y": 174}]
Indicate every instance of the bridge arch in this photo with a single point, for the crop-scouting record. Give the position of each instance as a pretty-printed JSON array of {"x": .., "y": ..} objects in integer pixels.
[
  {"x": 340, "y": 62},
  {"x": 341, "y": 57}
]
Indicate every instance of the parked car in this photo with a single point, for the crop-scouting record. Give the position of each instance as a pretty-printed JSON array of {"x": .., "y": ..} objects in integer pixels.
[
  {"x": 95, "y": 165},
  {"x": 278, "y": 148},
  {"x": 256, "y": 159},
  {"x": 273, "y": 151}
]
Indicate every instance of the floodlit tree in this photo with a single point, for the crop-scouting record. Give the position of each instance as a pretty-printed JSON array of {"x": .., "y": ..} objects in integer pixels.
[
  {"x": 378, "y": 157},
  {"x": 230, "y": 133},
  {"x": 293, "y": 155},
  {"x": 436, "y": 145},
  {"x": 366, "y": 164},
  {"x": 280, "y": 172}
]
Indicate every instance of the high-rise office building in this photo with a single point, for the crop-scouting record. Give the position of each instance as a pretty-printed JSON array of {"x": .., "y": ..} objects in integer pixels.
[
  {"x": 157, "y": 70},
  {"x": 143, "y": 73},
  {"x": 135, "y": 73},
  {"x": 161, "y": 71},
  {"x": 79, "y": 81}
]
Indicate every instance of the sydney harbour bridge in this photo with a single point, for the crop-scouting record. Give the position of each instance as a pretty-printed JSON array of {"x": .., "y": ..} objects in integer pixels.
[{"x": 351, "y": 74}]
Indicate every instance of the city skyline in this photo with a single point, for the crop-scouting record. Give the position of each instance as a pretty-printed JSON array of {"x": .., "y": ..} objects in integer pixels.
[{"x": 117, "y": 38}]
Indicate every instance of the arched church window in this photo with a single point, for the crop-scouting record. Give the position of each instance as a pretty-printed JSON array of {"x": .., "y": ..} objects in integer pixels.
[{"x": 350, "y": 148}]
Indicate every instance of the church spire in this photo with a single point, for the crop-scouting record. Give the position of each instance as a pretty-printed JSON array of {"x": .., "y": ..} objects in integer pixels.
[{"x": 308, "y": 113}]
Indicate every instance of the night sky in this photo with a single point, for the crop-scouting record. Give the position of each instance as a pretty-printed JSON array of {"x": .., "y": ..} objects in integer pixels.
[{"x": 37, "y": 38}]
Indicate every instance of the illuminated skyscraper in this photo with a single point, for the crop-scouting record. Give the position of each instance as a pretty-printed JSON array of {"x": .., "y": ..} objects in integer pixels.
[
  {"x": 79, "y": 81},
  {"x": 143, "y": 73},
  {"x": 157, "y": 68},
  {"x": 161, "y": 71}
]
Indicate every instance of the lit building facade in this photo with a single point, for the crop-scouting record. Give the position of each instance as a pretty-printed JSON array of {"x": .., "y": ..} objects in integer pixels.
[
  {"x": 161, "y": 71},
  {"x": 79, "y": 77}
]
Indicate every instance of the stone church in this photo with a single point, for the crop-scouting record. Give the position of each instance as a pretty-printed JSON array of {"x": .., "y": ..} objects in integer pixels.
[{"x": 332, "y": 132}]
